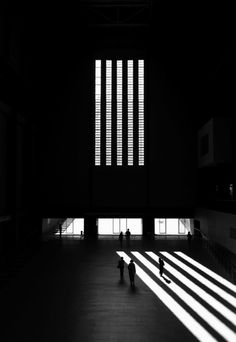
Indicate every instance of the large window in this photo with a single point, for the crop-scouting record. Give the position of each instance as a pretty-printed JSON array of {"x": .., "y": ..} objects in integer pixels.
[
  {"x": 113, "y": 226},
  {"x": 119, "y": 112},
  {"x": 171, "y": 226}
]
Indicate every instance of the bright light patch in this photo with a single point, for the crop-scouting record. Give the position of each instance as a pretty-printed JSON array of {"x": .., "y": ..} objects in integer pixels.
[
  {"x": 206, "y": 315},
  {"x": 206, "y": 270},
  {"x": 183, "y": 316},
  {"x": 218, "y": 306},
  {"x": 226, "y": 296},
  {"x": 113, "y": 226}
]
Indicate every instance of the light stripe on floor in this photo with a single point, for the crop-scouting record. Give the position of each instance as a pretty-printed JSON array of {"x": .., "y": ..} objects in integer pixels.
[
  {"x": 214, "y": 303},
  {"x": 205, "y": 314},
  {"x": 206, "y": 270},
  {"x": 181, "y": 314},
  {"x": 226, "y": 296}
]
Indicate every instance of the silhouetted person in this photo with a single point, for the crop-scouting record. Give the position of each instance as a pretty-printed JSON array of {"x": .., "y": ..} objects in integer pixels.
[
  {"x": 60, "y": 229},
  {"x": 161, "y": 265},
  {"x": 121, "y": 265},
  {"x": 132, "y": 271},
  {"x": 121, "y": 239},
  {"x": 127, "y": 235},
  {"x": 189, "y": 236}
]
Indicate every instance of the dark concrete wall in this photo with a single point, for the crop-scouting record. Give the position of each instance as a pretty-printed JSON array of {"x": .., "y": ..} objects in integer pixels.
[{"x": 66, "y": 148}]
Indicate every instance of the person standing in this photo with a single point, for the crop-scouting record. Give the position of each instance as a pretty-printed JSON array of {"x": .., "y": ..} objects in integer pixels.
[
  {"x": 121, "y": 239},
  {"x": 127, "y": 235},
  {"x": 60, "y": 230},
  {"x": 132, "y": 271},
  {"x": 121, "y": 265},
  {"x": 161, "y": 266},
  {"x": 189, "y": 236}
]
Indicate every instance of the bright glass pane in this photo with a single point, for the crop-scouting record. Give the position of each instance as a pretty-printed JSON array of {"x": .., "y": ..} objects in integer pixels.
[
  {"x": 105, "y": 226},
  {"x": 78, "y": 226},
  {"x": 172, "y": 226},
  {"x": 183, "y": 226},
  {"x": 160, "y": 226},
  {"x": 135, "y": 225},
  {"x": 135, "y": 91},
  {"x": 108, "y": 111},
  {"x": 141, "y": 111},
  {"x": 119, "y": 94},
  {"x": 116, "y": 226},
  {"x": 97, "y": 112},
  {"x": 123, "y": 225},
  {"x": 130, "y": 96}
]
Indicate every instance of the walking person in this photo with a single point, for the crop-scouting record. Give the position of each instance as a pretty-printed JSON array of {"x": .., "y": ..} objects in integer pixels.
[
  {"x": 161, "y": 266},
  {"x": 127, "y": 235},
  {"x": 121, "y": 265},
  {"x": 132, "y": 271},
  {"x": 121, "y": 239}
]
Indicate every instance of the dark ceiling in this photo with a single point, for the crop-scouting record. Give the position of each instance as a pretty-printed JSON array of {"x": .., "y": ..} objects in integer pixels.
[{"x": 193, "y": 44}]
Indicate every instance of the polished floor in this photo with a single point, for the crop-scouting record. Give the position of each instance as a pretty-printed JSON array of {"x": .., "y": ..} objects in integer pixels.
[{"x": 69, "y": 290}]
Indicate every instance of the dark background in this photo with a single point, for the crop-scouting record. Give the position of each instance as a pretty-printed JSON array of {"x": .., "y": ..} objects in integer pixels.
[{"x": 46, "y": 93}]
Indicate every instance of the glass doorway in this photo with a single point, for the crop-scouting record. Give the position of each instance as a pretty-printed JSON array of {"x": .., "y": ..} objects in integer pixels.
[
  {"x": 171, "y": 226},
  {"x": 72, "y": 226},
  {"x": 113, "y": 226}
]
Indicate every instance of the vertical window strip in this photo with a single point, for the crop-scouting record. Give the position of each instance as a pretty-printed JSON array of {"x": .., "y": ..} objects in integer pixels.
[
  {"x": 141, "y": 111},
  {"x": 98, "y": 112},
  {"x": 108, "y": 110},
  {"x": 129, "y": 94},
  {"x": 130, "y": 111},
  {"x": 119, "y": 111}
]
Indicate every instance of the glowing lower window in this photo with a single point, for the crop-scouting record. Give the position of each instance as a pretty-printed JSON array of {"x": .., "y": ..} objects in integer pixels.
[
  {"x": 72, "y": 226},
  {"x": 171, "y": 226},
  {"x": 113, "y": 226}
]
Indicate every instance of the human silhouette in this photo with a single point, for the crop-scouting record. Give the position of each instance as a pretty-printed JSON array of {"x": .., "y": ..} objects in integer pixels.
[
  {"x": 161, "y": 265},
  {"x": 127, "y": 235},
  {"x": 121, "y": 265},
  {"x": 121, "y": 239},
  {"x": 60, "y": 229},
  {"x": 189, "y": 236},
  {"x": 132, "y": 271}
]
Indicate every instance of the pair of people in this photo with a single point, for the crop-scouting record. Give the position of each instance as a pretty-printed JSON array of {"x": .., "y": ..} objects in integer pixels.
[
  {"x": 131, "y": 269},
  {"x": 127, "y": 236}
]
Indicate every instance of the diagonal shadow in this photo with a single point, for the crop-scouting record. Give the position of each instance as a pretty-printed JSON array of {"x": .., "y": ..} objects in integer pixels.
[
  {"x": 180, "y": 313},
  {"x": 220, "y": 327},
  {"x": 204, "y": 297},
  {"x": 217, "y": 291},
  {"x": 207, "y": 272}
]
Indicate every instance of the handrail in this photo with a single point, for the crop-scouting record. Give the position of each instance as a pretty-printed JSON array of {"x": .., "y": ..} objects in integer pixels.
[
  {"x": 221, "y": 254},
  {"x": 65, "y": 224}
]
